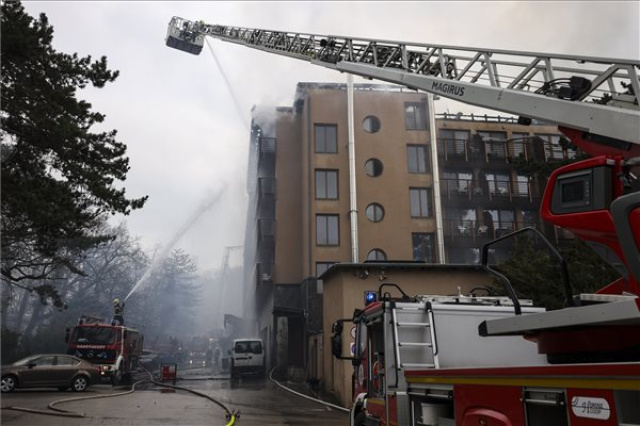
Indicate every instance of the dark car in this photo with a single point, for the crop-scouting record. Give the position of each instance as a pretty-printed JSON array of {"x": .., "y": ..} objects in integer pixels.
[{"x": 49, "y": 370}]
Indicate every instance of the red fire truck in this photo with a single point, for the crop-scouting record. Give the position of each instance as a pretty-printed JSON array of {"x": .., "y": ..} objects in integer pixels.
[
  {"x": 485, "y": 360},
  {"x": 116, "y": 349}
]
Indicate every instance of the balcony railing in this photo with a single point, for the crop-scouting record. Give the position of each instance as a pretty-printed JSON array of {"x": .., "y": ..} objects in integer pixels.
[
  {"x": 267, "y": 145},
  {"x": 265, "y": 229},
  {"x": 264, "y": 273},
  {"x": 472, "y": 230},
  {"x": 489, "y": 151},
  {"x": 470, "y": 189},
  {"x": 459, "y": 149},
  {"x": 266, "y": 187}
]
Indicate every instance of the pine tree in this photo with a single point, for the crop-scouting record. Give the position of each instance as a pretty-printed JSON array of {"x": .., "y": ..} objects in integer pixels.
[{"x": 58, "y": 176}]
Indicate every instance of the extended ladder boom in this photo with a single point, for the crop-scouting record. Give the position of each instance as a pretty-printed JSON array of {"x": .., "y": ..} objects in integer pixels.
[{"x": 595, "y": 96}]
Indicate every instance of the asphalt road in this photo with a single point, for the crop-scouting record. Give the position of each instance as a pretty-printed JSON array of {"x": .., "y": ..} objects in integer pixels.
[{"x": 259, "y": 401}]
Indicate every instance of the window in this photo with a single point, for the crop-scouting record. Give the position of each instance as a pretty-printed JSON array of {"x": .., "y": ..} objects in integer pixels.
[
  {"x": 67, "y": 360},
  {"x": 327, "y": 230},
  {"x": 457, "y": 183},
  {"x": 554, "y": 150},
  {"x": 420, "y": 202},
  {"x": 502, "y": 221},
  {"x": 375, "y": 212},
  {"x": 248, "y": 347},
  {"x": 522, "y": 187},
  {"x": 321, "y": 267},
  {"x": 373, "y": 167},
  {"x": 518, "y": 144},
  {"x": 93, "y": 335},
  {"x": 498, "y": 183},
  {"x": 326, "y": 184},
  {"x": 45, "y": 361},
  {"x": 417, "y": 158},
  {"x": 377, "y": 255},
  {"x": 495, "y": 144},
  {"x": 454, "y": 141},
  {"x": 371, "y": 124},
  {"x": 462, "y": 221},
  {"x": 326, "y": 138},
  {"x": 415, "y": 115},
  {"x": 423, "y": 247}
]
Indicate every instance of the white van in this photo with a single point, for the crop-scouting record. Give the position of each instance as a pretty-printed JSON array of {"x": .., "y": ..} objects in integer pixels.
[{"x": 247, "y": 357}]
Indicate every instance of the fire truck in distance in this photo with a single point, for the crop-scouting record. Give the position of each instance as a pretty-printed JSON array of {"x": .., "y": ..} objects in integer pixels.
[
  {"x": 116, "y": 349},
  {"x": 479, "y": 359}
]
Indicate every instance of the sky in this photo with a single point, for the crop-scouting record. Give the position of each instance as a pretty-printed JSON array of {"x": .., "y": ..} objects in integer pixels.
[{"x": 184, "y": 117}]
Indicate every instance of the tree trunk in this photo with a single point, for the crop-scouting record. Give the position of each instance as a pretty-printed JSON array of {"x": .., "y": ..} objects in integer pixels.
[{"x": 19, "y": 316}]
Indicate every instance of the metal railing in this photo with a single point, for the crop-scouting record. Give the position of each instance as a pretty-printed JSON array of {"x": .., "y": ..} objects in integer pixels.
[
  {"x": 474, "y": 230},
  {"x": 470, "y": 189},
  {"x": 487, "y": 151}
]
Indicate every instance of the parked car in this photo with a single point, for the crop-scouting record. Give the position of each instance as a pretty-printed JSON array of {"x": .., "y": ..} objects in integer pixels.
[{"x": 49, "y": 370}]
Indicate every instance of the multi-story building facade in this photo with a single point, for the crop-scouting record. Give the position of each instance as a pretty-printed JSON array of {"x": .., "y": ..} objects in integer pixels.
[{"x": 313, "y": 205}]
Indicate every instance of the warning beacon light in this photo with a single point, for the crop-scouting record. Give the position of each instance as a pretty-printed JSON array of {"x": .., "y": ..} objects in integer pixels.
[{"x": 369, "y": 297}]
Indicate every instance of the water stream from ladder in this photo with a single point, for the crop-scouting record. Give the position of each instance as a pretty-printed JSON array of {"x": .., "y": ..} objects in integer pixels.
[{"x": 203, "y": 208}]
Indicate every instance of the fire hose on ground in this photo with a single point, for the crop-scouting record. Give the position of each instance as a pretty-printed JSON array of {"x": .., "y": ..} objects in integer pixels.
[
  {"x": 328, "y": 404},
  {"x": 230, "y": 416}
]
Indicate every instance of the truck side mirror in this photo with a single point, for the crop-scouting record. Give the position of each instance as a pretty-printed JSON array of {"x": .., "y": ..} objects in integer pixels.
[
  {"x": 67, "y": 335},
  {"x": 336, "y": 345},
  {"x": 336, "y": 340}
]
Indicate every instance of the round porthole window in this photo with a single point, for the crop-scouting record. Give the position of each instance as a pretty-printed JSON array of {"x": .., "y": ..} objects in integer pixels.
[
  {"x": 373, "y": 167},
  {"x": 375, "y": 212},
  {"x": 371, "y": 124},
  {"x": 377, "y": 254}
]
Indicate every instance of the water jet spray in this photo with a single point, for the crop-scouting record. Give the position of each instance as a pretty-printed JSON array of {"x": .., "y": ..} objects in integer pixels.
[{"x": 206, "y": 205}]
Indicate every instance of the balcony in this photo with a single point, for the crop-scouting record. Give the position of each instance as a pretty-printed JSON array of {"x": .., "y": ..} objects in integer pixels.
[
  {"x": 266, "y": 228},
  {"x": 266, "y": 157},
  {"x": 267, "y": 145},
  {"x": 494, "y": 192},
  {"x": 454, "y": 151},
  {"x": 265, "y": 241},
  {"x": 266, "y": 198},
  {"x": 496, "y": 151},
  {"x": 462, "y": 190},
  {"x": 472, "y": 233},
  {"x": 491, "y": 151},
  {"x": 264, "y": 273}
]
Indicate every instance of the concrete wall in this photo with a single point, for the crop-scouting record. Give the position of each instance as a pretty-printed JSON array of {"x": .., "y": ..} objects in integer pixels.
[
  {"x": 296, "y": 162},
  {"x": 289, "y": 196}
]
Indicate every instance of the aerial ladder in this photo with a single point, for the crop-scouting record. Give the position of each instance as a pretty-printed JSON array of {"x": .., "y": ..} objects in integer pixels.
[{"x": 593, "y": 100}]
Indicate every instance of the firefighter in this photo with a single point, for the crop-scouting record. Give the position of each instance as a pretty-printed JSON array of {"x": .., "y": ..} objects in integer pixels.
[{"x": 118, "y": 313}]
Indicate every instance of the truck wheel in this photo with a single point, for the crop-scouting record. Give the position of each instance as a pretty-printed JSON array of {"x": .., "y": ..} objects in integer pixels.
[
  {"x": 79, "y": 384},
  {"x": 360, "y": 419}
]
